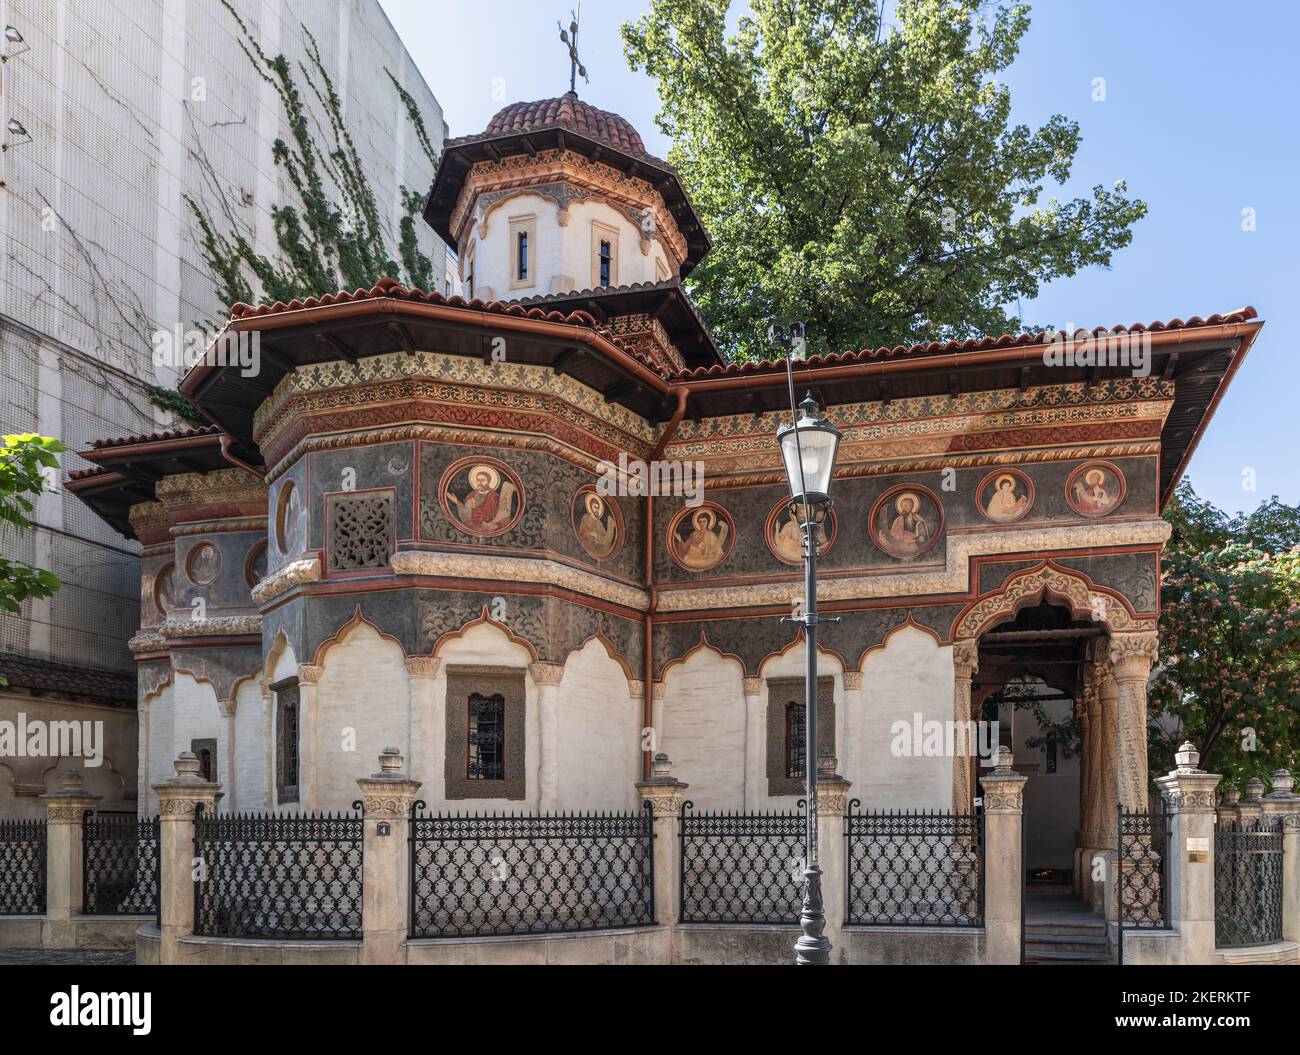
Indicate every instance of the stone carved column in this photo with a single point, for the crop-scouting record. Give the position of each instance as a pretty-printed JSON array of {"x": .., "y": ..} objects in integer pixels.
[
  {"x": 1004, "y": 875},
  {"x": 755, "y": 743},
  {"x": 64, "y": 810},
  {"x": 422, "y": 674},
  {"x": 308, "y": 736},
  {"x": 386, "y": 799},
  {"x": 1188, "y": 793},
  {"x": 178, "y": 798},
  {"x": 227, "y": 767},
  {"x": 965, "y": 659},
  {"x": 1085, "y": 762},
  {"x": 1131, "y": 656},
  {"x": 666, "y": 794},
  {"x": 547, "y": 677}
]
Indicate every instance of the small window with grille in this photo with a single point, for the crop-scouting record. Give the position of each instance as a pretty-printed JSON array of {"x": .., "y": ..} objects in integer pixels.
[
  {"x": 286, "y": 740},
  {"x": 794, "y": 740},
  {"x": 487, "y": 738}
]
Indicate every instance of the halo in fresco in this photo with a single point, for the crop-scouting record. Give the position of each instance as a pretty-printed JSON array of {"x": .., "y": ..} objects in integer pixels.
[
  {"x": 1095, "y": 489},
  {"x": 481, "y": 496},
  {"x": 1005, "y": 496},
  {"x": 905, "y": 521},
  {"x": 700, "y": 537},
  {"x": 597, "y": 523},
  {"x": 783, "y": 530}
]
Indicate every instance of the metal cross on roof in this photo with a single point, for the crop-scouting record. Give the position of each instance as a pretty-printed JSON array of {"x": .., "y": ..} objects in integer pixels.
[{"x": 570, "y": 37}]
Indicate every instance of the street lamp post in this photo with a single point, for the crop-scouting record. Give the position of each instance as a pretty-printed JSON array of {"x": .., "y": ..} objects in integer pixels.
[{"x": 808, "y": 448}]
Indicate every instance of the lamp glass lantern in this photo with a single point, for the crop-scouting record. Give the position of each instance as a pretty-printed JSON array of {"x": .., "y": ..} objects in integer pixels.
[{"x": 808, "y": 448}]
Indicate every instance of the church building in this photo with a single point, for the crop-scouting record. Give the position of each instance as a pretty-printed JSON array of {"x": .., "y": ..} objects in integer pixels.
[{"x": 538, "y": 533}]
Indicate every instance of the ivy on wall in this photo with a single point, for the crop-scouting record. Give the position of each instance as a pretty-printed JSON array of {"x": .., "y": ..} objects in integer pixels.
[{"x": 332, "y": 237}]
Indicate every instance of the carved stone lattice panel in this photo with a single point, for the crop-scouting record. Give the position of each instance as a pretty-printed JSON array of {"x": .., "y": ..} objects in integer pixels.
[{"x": 360, "y": 530}]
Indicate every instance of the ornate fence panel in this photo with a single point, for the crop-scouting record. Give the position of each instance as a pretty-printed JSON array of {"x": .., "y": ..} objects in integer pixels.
[
  {"x": 914, "y": 868},
  {"x": 278, "y": 876},
  {"x": 530, "y": 874},
  {"x": 22, "y": 868},
  {"x": 1248, "y": 884},
  {"x": 1143, "y": 884},
  {"x": 742, "y": 867},
  {"x": 119, "y": 864}
]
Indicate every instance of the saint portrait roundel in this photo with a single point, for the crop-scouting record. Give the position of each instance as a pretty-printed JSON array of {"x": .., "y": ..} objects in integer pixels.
[
  {"x": 481, "y": 496},
  {"x": 597, "y": 522},
  {"x": 1095, "y": 489},
  {"x": 700, "y": 537},
  {"x": 784, "y": 530},
  {"x": 905, "y": 521},
  {"x": 1005, "y": 496}
]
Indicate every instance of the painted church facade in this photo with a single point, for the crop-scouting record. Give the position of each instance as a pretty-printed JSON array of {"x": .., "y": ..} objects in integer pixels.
[{"x": 400, "y": 530}]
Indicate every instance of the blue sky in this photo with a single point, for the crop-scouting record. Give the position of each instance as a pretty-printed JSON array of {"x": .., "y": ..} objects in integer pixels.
[{"x": 1201, "y": 117}]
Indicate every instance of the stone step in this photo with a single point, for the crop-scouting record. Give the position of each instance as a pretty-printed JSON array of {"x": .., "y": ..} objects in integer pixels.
[
  {"x": 1054, "y": 926},
  {"x": 1054, "y": 956},
  {"x": 1078, "y": 943}
]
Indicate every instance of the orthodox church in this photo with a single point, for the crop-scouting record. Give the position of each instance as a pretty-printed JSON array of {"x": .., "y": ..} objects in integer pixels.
[{"x": 401, "y": 529}]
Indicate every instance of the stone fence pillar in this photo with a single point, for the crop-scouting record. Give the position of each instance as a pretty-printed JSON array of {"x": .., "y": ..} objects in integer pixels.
[
  {"x": 665, "y": 793},
  {"x": 832, "y": 851},
  {"x": 1004, "y": 875},
  {"x": 64, "y": 810},
  {"x": 1281, "y": 806},
  {"x": 178, "y": 798},
  {"x": 386, "y": 798},
  {"x": 1188, "y": 792}
]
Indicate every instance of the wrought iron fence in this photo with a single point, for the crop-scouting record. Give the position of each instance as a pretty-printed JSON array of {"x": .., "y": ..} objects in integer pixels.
[
  {"x": 742, "y": 867},
  {"x": 476, "y": 875},
  {"x": 278, "y": 876},
  {"x": 22, "y": 868},
  {"x": 1142, "y": 881},
  {"x": 119, "y": 864},
  {"x": 914, "y": 868},
  {"x": 1248, "y": 884}
]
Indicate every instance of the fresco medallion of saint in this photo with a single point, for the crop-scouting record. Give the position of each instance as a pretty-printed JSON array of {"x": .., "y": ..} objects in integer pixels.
[
  {"x": 700, "y": 537},
  {"x": 597, "y": 523},
  {"x": 905, "y": 521},
  {"x": 1005, "y": 496},
  {"x": 784, "y": 530},
  {"x": 1095, "y": 489},
  {"x": 481, "y": 496}
]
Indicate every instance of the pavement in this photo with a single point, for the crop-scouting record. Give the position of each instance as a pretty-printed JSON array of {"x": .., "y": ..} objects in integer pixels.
[{"x": 66, "y": 956}]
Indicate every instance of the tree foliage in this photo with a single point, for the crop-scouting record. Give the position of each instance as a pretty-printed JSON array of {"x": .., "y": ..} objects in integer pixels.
[
  {"x": 865, "y": 176},
  {"x": 24, "y": 460},
  {"x": 1229, "y": 667}
]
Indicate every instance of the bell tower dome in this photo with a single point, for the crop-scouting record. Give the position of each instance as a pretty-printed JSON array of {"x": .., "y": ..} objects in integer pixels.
[{"x": 558, "y": 196}]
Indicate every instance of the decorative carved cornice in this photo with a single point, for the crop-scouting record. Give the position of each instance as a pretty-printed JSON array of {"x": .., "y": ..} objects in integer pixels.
[
  {"x": 216, "y": 626},
  {"x": 966, "y": 657},
  {"x": 852, "y": 680},
  {"x": 226, "y": 488},
  {"x": 309, "y": 673},
  {"x": 151, "y": 521},
  {"x": 298, "y": 571},
  {"x": 147, "y": 641},
  {"x": 517, "y": 569},
  {"x": 1131, "y": 655},
  {"x": 238, "y": 523},
  {"x": 753, "y": 686}
]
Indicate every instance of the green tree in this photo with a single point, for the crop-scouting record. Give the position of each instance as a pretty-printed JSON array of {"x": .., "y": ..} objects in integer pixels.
[
  {"x": 865, "y": 177},
  {"x": 1228, "y": 676},
  {"x": 24, "y": 458}
]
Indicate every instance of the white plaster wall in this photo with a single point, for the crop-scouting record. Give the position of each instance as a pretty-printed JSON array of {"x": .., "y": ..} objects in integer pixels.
[
  {"x": 912, "y": 673},
  {"x": 790, "y": 664},
  {"x": 561, "y": 256},
  {"x": 362, "y": 706},
  {"x": 599, "y": 734},
  {"x": 481, "y": 645},
  {"x": 252, "y": 750},
  {"x": 702, "y": 728},
  {"x": 192, "y": 715}
]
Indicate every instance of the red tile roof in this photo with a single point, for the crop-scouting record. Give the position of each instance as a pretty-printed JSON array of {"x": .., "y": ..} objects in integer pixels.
[
  {"x": 392, "y": 289},
  {"x": 568, "y": 111},
  {"x": 969, "y": 344},
  {"x": 44, "y": 676},
  {"x": 157, "y": 437}
]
